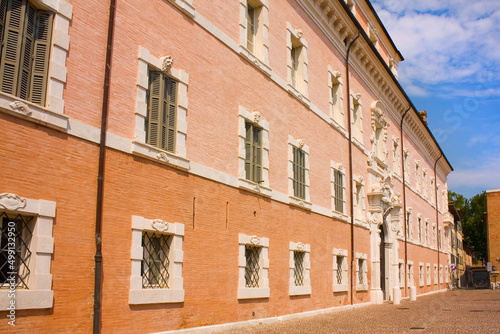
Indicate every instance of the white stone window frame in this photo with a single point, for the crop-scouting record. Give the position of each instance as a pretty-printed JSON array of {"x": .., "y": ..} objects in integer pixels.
[
  {"x": 401, "y": 269},
  {"x": 359, "y": 213},
  {"x": 345, "y": 270},
  {"x": 421, "y": 274},
  {"x": 306, "y": 288},
  {"x": 410, "y": 275},
  {"x": 338, "y": 167},
  {"x": 302, "y": 79},
  {"x": 146, "y": 62},
  {"x": 418, "y": 176},
  {"x": 396, "y": 161},
  {"x": 435, "y": 274},
  {"x": 185, "y": 6},
  {"x": 52, "y": 114},
  {"x": 364, "y": 258},
  {"x": 40, "y": 294},
  {"x": 406, "y": 161},
  {"x": 420, "y": 229},
  {"x": 357, "y": 127},
  {"x": 304, "y": 203},
  {"x": 337, "y": 117},
  {"x": 256, "y": 119},
  {"x": 434, "y": 235},
  {"x": 432, "y": 190},
  {"x": 409, "y": 225},
  {"x": 428, "y": 274},
  {"x": 259, "y": 59},
  {"x": 373, "y": 35},
  {"x": 447, "y": 274},
  {"x": 424, "y": 183},
  {"x": 175, "y": 292},
  {"x": 427, "y": 232},
  {"x": 263, "y": 291},
  {"x": 379, "y": 121}
]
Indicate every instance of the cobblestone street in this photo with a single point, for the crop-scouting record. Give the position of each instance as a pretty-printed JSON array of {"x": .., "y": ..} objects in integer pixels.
[{"x": 463, "y": 311}]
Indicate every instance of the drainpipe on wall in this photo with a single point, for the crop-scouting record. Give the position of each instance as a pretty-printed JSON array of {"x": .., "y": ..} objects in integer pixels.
[
  {"x": 404, "y": 200},
  {"x": 437, "y": 211},
  {"x": 350, "y": 160},
  {"x": 100, "y": 175}
]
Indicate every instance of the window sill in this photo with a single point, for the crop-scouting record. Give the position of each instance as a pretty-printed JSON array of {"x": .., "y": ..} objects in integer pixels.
[
  {"x": 301, "y": 97},
  {"x": 299, "y": 290},
  {"x": 27, "y": 299},
  {"x": 340, "y": 288},
  {"x": 362, "y": 287},
  {"x": 17, "y": 107},
  {"x": 253, "y": 293},
  {"x": 338, "y": 127},
  {"x": 341, "y": 216},
  {"x": 254, "y": 187},
  {"x": 358, "y": 144},
  {"x": 299, "y": 202},
  {"x": 159, "y": 155},
  {"x": 252, "y": 59},
  {"x": 155, "y": 296}
]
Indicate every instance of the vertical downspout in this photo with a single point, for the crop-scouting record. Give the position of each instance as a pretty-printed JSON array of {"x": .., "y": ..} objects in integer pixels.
[
  {"x": 100, "y": 175},
  {"x": 404, "y": 200},
  {"x": 437, "y": 211},
  {"x": 350, "y": 161}
]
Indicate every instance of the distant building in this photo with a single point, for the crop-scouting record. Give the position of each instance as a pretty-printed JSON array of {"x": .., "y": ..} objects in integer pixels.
[{"x": 493, "y": 229}]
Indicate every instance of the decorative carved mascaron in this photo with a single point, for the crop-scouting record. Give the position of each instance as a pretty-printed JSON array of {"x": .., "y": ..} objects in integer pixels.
[
  {"x": 159, "y": 225},
  {"x": 336, "y": 74},
  {"x": 300, "y": 143},
  {"x": 11, "y": 201},
  {"x": 21, "y": 108},
  {"x": 255, "y": 240},
  {"x": 162, "y": 156},
  {"x": 298, "y": 33},
  {"x": 256, "y": 117},
  {"x": 300, "y": 246},
  {"x": 166, "y": 63}
]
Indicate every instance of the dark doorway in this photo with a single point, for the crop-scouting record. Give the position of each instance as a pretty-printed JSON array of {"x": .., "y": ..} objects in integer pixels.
[{"x": 382, "y": 260}]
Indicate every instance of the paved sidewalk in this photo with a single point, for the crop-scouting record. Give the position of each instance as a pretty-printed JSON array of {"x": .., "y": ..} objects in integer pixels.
[{"x": 462, "y": 311}]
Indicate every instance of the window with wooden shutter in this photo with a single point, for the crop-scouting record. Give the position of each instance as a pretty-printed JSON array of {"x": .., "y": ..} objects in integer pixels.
[
  {"x": 25, "y": 34},
  {"x": 253, "y": 153},
  {"x": 338, "y": 183},
  {"x": 299, "y": 173},
  {"x": 162, "y": 111}
]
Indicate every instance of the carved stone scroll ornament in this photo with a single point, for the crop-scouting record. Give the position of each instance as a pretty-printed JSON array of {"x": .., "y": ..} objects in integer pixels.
[
  {"x": 159, "y": 225},
  {"x": 254, "y": 240},
  {"x": 11, "y": 201},
  {"x": 166, "y": 63},
  {"x": 21, "y": 108},
  {"x": 300, "y": 246},
  {"x": 376, "y": 218},
  {"x": 162, "y": 156}
]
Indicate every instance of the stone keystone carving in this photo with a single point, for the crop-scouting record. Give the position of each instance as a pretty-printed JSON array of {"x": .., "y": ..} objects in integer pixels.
[
  {"x": 256, "y": 117},
  {"x": 300, "y": 246},
  {"x": 166, "y": 63},
  {"x": 162, "y": 156},
  {"x": 21, "y": 108},
  {"x": 159, "y": 225},
  {"x": 11, "y": 201},
  {"x": 300, "y": 143},
  {"x": 299, "y": 33},
  {"x": 255, "y": 240}
]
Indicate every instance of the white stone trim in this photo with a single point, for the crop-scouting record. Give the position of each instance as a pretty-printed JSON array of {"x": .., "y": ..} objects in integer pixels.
[
  {"x": 428, "y": 273},
  {"x": 401, "y": 278},
  {"x": 396, "y": 155},
  {"x": 300, "y": 90},
  {"x": 338, "y": 167},
  {"x": 435, "y": 274},
  {"x": 337, "y": 116},
  {"x": 263, "y": 291},
  {"x": 359, "y": 208},
  {"x": 139, "y": 146},
  {"x": 410, "y": 273},
  {"x": 51, "y": 114},
  {"x": 186, "y": 6},
  {"x": 357, "y": 126},
  {"x": 421, "y": 274},
  {"x": 260, "y": 57},
  {"x": 301, "y": 202},
  {"x": 175, "y": 292},
  {"x": 306, "y": 288},
  {"x": 364, "y": 258},
  {"x": 345, "y": 270},
  {"x": 40, "y": 294},
  {"x": 255, "y": 118}
]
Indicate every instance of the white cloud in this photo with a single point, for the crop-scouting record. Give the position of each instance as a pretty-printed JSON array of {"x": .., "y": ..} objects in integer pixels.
[
  {"x": 444, "y": 42},
  {"x": 484, "y": 175}
]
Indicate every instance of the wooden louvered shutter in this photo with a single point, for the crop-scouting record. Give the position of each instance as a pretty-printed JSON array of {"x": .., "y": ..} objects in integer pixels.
[
  {"x": 25, "y": 63},
  {"x": 248, "y": 151},
  {"x": 11, "y": 46},
  {"x": 3, "y": 13},
  {"x": 41, "y": 48},
  {"x": 257, "y": 151},
  {"x": 171, "y": 114},
  {"x": 154, "y": 103}
]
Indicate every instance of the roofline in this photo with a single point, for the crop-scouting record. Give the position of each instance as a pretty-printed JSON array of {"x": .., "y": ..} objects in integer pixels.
[
  {"x": 383, "y": 28},
  {"x": 388, "y": 70},
  {"x": 492, "y": 191}
]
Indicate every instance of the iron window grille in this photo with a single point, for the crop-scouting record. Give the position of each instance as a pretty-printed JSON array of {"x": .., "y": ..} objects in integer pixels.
[
  {"x": 340, "y": 262},
  {"x": 16, "y": 234},
  {"x": 339, "y": 190},
  {"x": 361, "y": 272},
  {"x": 299, "y": 173},
  {"x": 253, "y": 153},
  {"x": 298, "y": 270},
  {"x": 155, "y": 263},
  {"x": 252, "y": 267}
]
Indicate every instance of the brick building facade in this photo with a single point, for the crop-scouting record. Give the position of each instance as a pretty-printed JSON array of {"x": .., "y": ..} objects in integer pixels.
[{"x": 243, "y": 171}]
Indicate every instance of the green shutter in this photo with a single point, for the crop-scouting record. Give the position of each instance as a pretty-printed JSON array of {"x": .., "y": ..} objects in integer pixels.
[
  {"x": 40, "y": 67},
  {"x": 3, "y": 13},
  {"x": 253, "y": 153},
  {"x": 24, "y": 78},
  {"x": 248, "y": 151},
  {"x": 154, "y": 102},
  {"x": 257, "y": 149},
  {"x": 12, "y": 46},
  {"x": 171, "y": 115}
]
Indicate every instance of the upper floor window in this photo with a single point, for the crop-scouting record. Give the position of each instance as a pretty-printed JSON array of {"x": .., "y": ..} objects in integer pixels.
[
  {"x": 396, "y": 157},
  {"x": 419, "y": 229},
  {"x": 359, "y": 211},
  {"x": 25, "y": 32},
  {"x": 162, "y": 109},
  {"x": 336, "y": 98},
  {"x": 338, "y": 184},
  {"x": 253, "y": 153},
  {"x": 251, "y": 27},
  {"x": 297, "y": 63},
  {"x": 357, "y": 117},
  {"x": 299, "y": 173},
  {"x": 254, "y": 42}
]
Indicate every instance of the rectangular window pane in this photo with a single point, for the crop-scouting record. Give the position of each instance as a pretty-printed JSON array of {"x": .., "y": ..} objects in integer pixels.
[
  {"x": 299, "y": 173},
  {"x": 339, "y": 191},
  {"x": 252, "y": 267},
  {"x": 253, "y": 153},
  {"x": 155, "y": 260},
  {"x": 340, "y": 262},
  {"x": 298, "y": 270},
  {"x": 250, "y": 28}
]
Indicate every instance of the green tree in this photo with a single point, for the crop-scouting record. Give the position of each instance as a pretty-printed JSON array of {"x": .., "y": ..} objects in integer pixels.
[{"x": 473, "y": 227}]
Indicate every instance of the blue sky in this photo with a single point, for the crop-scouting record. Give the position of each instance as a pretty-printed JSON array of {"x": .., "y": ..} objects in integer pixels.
[{"x": 452, "y": 70}]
